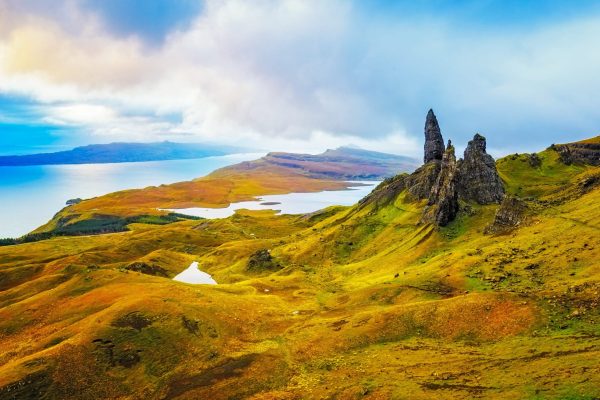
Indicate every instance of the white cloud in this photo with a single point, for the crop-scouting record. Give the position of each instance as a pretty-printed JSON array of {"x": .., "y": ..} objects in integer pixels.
[
  {"x": 81, "y": 114},
  {"x": 278, "y": 74}
]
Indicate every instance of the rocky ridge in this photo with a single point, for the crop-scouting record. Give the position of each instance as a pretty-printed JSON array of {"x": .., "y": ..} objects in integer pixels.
[
  {"x": 584, "y": 152},
  {"x": 443, "y": 180}
]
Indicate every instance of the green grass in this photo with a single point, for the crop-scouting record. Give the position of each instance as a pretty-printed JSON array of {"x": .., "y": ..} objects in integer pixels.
[
  {"x": 525, "y": 180},
  {"x": 367, "y": 303}
]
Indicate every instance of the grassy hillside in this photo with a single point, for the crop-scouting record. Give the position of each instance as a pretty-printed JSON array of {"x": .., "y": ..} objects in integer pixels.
[
  {"x": 357, "y": 302},
  {"x": 241, "y": 182}
]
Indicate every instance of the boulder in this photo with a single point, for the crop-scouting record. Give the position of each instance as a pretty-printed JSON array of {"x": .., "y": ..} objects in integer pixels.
[
  {"x": 510, "y": 214},
  {"x": 262, "y": 260}
]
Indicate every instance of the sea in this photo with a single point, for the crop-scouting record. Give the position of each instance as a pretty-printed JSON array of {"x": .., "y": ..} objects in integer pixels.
[{"x": 31, "y": 195}]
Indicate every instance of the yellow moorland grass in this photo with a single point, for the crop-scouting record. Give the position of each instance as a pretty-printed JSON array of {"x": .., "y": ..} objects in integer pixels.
[
  {"x": 242, "y": 182},
  {"x": 366, "y": 303}
]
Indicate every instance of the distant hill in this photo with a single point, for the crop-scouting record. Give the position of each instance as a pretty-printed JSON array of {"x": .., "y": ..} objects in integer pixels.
[
  {"x": 120, "y": 152},
  {"x": 345, "y": 163}
]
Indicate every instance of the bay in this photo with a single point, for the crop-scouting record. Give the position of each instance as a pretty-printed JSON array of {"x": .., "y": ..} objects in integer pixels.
[
  {"x": 30, "y": 196},
  {"x": 290, "y": 203}
]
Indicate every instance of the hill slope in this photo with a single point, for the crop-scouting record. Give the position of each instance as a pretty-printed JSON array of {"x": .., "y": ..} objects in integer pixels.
[
  {"x": 345, "y": 163},
  {"x": 351, "y": 302}
]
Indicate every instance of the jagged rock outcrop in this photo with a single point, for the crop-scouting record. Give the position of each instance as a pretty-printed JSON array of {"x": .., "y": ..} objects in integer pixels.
[
  {"x": 443, "y": 180},
  {"x": 443, "y": 206},
  {"x": 434, "y": 143},
  {"x": 510, "y": 214},
  {"x": 584, "y": 152},
  {"x": 420, "y": 182},
  {"x": 478, "y": 177},
  {"x": 148, "y": 269}
]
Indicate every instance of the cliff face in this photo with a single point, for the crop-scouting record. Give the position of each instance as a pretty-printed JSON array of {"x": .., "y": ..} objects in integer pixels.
[
  {"x": 442, "y": 206},
  {"x": 584, "y": 152},
  {"x": 420, "y": 183}
]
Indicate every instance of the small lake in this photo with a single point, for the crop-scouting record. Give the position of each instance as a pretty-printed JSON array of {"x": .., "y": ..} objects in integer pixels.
[
  {"x": 291, "y": 203},
  {"x": 30, "y": 196},
  {"x": 193, "y": 275}
]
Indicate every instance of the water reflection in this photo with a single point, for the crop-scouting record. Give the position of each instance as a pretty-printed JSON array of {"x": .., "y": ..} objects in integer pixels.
[{"x": 291, "y": 203}]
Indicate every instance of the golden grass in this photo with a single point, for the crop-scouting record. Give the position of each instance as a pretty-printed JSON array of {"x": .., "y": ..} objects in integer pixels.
[{"x": 367, "y": 304}]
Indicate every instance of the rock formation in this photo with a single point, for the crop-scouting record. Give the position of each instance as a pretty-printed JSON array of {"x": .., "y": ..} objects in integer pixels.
[
  {"x": 584, "y": 152},
  {"x": 443, "y": 180},
  {"x": 478, "y": 178},
  {"x": 420, "y": 183},
  {"x": 511, "y": 214},
  {"x": 434, "y": 143},
  {"x": 443, "y": 200}
]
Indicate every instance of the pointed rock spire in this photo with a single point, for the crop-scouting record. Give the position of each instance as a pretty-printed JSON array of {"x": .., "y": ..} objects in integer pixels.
[{"x": 434, "y": 143}]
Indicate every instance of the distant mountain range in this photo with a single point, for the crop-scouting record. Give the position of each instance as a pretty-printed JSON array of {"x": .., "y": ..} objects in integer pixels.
[
  {"x": 121, "y": 152},
  {"x": 342, "y": 163},
  {"x": 345, "y": 163}
]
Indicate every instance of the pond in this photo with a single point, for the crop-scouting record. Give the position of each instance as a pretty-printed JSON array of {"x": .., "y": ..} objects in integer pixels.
[{"x": 193, "y": 275}]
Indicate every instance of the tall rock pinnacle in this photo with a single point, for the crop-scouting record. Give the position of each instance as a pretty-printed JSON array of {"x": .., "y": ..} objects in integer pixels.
[
  {"x": 434, "y": 143},
  {"x": 447, "y": 182}
]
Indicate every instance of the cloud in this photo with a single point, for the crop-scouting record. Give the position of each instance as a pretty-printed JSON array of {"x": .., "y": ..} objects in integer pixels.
[{"x": 293, "y": 75}]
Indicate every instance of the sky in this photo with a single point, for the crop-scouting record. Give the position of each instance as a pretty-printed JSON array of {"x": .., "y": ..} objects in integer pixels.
[{"x": 295, "y": 75}]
